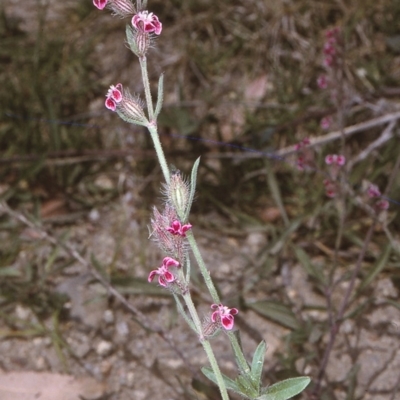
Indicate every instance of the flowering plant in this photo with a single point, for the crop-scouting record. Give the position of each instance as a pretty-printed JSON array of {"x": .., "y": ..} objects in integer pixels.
[{"x": 174, "y": 234}]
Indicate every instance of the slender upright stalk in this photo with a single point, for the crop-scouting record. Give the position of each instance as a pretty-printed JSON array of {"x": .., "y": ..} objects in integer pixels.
[
  {"x": 146, "y": 84},
  {"x": 206, "y": 346},
  {"x": 160, "y": 153}
]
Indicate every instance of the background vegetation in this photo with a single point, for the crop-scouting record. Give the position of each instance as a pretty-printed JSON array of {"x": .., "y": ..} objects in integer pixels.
[{"x": 239, "y": 75}]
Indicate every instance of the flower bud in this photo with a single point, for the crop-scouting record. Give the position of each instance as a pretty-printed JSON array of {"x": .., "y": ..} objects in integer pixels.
[
  {"x": 139, "y": 42},
  {"x": 178, "y": 193},
  {"x": 122, "y": 8}
]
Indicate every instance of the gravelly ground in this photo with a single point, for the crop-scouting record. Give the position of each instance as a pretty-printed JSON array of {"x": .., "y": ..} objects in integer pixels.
[{"x": 106, "y": 343}]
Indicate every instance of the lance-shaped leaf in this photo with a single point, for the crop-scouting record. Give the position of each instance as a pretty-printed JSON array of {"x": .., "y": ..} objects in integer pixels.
[
  {"x": 247, "y": 387},
  {"x": 193, "y": 179},
  {"x": 285, "y": 389},
  {"x": 229, "y": 383},
  {"x": 160, "y": 96},
  {"x": 276, "y": 311},
  {"x": 376, "y": 269},
  {"x": 258, "y": 362},
  {"x": 130, "y": 38}
]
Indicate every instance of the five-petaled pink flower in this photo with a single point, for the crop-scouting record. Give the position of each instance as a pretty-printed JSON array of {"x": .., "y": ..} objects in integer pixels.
[
  {"x": 165, "y": 277},
  {"x": 177, "y": 228},
  {"x": 335, "y": 159},
  {"x": 223, "y": 315},
  {"x": 114, "y": 96},
  {"x": 147, "y": 22},
  {"x": 326, "y": 122}
]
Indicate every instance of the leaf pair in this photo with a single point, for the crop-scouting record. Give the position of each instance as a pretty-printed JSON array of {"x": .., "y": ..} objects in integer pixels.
[{"x": 250, "y": 386}]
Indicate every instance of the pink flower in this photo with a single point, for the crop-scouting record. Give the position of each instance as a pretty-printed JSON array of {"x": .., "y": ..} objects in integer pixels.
[
  {"x": 373, "y": 191},
  {"x": 300, "y": 163},
  {"x": 128, "y": 107},
  {"x": 328, "y": 61},
  {"x": 335, "y": 159},
  {"x": 114, "y": 96},
  {"x": 100, "y": 4},
  {"x": 322, "y": 82},
  {"x": 381, "y": 205},
  {"x": 177, "y": 228},
  {"x": 326, "y": 122},
  {"x": 147, "y": 22},
  {"x": 164, "y": 276},
  {"x": 332, "y": 33},
  {"x": 329, "y": 49},
  {"x": 305, "y": 142},
  {"x": 330, "y": 188},
  {"x": 223, "y": 315}
]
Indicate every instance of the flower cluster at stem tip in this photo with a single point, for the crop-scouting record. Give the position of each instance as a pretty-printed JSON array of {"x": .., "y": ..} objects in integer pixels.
[
  {"x": 177, "y": 228},
  {"x": 143, "y": 21}
]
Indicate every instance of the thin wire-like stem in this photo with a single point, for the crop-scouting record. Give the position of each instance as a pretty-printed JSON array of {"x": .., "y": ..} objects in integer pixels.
[
  {"x": 206, "y": 345},
  {"x": 338, "y": 319},
  {"x": 346, "y": 299}
]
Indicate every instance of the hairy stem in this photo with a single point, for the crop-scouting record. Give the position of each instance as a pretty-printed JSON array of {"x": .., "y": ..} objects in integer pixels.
[{"x": 146, "y": 84}]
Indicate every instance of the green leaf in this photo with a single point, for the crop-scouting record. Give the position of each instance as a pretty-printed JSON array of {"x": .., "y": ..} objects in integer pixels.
[
  {"x": 258, "y": 363},
  {"x": 377, "y": 268},
  {"x": 160, "y": 96},
  {"x": 246, "y": 387},
  {"x": 10, "y": 271},
  {"x": 275, "y": 311},
  {"x": 130, "y": 38},
  {"x": 229, "y": 383},
  {"x": 305, "y": 261},
  {"x": 285, "y": 389},
  {"x": 193, "y": 179},
  {"x": 276, "y": 247},
  {"x": 276, "y": 193}
]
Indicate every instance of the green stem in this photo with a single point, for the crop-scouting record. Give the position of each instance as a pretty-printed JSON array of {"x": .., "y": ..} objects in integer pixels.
[
  {"x": 160, "y": 153},
  {"x": 146, "y": 84},
  {"x": 206, "y": 346},
  {"x": 217, "y": 372},
  {"x": 152, "y": 127},
  {"x": 242, "y": 363},
  {"x": 203, "y": 269}
]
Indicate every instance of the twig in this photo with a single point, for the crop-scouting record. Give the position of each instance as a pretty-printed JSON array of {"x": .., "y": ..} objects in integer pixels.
[
  {"x": 330, "y": 137},
  {"x": 140, "y": 318},
  {"x": 386, "y": 135},
  {"x": 73, "y": 156},
  {"x": 350, "y": 130}
]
